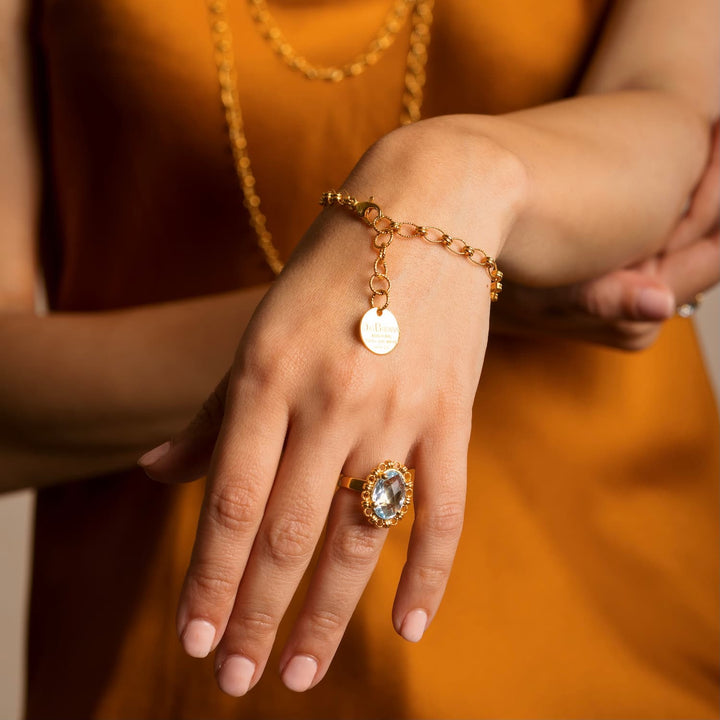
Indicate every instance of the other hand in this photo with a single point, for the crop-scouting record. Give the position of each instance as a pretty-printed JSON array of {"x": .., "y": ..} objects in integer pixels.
[{"x": 626, "y": 308}]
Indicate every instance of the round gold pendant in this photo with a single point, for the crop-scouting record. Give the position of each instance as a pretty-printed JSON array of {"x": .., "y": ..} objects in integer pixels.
[{"x": 379, "y": 331}]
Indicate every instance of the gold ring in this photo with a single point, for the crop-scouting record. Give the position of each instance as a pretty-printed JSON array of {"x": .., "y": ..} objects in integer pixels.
[
  {"x": 385, "y": 494},
  {"x": 687, "y": 310}
]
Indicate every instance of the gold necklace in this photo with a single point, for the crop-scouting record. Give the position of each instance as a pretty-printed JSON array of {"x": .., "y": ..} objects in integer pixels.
[
  {"x": 227, "y": 79},
  {"x": 384, "y": 38}
]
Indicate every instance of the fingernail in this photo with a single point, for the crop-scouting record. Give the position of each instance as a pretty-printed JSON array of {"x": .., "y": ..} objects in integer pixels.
[
  {"x": 152, "y": 456},
  {"x": 198, "y": 638},
  {"x": 299, "y": 673},
  {"x": 413, "y": 626},
  {"x": 654, "y": 304},
  {"x": 235, "y": 675}
]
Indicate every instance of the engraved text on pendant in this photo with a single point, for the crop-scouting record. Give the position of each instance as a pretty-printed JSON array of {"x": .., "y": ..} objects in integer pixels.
[{"x": 379, "y": 332}]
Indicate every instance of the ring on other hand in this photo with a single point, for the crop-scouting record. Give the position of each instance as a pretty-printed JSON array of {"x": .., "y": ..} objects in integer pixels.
[
  {"x": 385, "y": 494},
  {"x": 687, "y": 310}
]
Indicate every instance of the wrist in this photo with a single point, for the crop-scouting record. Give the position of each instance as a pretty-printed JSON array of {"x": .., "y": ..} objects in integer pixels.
[{"x": 442, "y": 172}]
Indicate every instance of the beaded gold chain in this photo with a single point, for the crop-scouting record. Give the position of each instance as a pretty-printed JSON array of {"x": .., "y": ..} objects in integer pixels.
[
  {"x": 379, "y": 329},
  {"x": 227, "y": 79}
]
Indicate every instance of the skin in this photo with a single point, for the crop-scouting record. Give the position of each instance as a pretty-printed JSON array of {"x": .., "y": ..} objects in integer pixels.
[
  {"x": 613, "y": 310},
  {"x": 541, "y": 240},
  {"x": 568, "y": 191},
  {"x": 120, "y": 402}
]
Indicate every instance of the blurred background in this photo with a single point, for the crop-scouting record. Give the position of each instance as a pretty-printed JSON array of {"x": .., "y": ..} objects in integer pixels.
[{"x": 15, "y": 541}]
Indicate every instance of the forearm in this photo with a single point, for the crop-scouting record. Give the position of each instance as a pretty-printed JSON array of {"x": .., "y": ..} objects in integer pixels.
[
  {"x": 86, "y": 393},
  {"x": 611, "y": 170},
  {"x": 584, "y": 185},
  {"x": 607, "y": 177}
]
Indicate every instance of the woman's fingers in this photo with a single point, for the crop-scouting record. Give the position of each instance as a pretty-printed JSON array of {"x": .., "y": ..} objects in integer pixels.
[
  {"x": 693, "y": 269},
  {"x": 187, "y": 457},
  {"x": 651, "y": 295},
  {"x": 241, "y": 475},
  {"x": 439, "y": 495},
  {"x": 689, "y": 264},
  {"x": 348, "y": 557},
  {"x": 625, "y": 295},
  {"x": 284, "y": 545}
]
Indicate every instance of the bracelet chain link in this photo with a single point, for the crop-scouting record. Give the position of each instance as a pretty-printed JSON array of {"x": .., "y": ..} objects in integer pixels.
[{"x": 386, "y": 229}]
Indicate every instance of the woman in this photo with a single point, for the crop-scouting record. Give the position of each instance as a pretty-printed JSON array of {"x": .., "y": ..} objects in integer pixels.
[{"x": 573, "y": 499}]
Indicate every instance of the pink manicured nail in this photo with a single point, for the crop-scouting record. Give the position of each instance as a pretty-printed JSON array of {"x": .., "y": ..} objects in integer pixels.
[
  {"x": 198, "y": 638},
  {"x": 235, "y": 675},
  {"x": 414, "y": 625},
  {"x": 152, "y": 456},
  {"x": 654, "y": 304},
  {"x": 299, "y": 673}
]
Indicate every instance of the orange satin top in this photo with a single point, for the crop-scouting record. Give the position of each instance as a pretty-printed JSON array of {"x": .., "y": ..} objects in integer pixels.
[{"x": 586, "y": 583}]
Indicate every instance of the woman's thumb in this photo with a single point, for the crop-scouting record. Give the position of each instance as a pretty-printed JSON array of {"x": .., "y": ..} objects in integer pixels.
[
  {"x": 627, "y": 295},
  {"x": 186, "y": 457}
]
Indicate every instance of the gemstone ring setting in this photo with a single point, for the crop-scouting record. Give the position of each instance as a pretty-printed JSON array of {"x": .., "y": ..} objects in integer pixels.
[{"x": 385, "y": 494}]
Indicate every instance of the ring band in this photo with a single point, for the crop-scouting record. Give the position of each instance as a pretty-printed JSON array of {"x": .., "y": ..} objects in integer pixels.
[
  {"x": 687, "y": 310},
  {"x": 385, "y": 494}
]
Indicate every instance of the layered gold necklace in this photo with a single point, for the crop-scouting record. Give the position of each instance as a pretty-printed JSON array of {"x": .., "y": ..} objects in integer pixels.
[{"x": 271, "y": 32}]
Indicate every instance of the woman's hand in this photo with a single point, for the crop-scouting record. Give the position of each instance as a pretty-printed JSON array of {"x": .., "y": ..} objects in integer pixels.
[
  {"x": 626, "y": 308},
  {"x": 305, "y": 400}
]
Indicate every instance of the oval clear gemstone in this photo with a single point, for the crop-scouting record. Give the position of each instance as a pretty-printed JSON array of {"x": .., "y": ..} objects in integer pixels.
[{"x": 388, "y": 495}]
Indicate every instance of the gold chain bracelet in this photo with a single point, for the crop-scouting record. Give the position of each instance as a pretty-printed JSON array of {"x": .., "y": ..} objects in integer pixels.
[{"x": 379, "y": 329}]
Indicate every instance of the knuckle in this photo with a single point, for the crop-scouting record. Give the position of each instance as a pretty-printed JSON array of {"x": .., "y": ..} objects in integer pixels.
[
  {"x": 288, "y": 540},
  {"x": 326, "y": 622},
  {"x": 232, "y": 508},
  {"x": 395, "y": 407},
  {"x": 431, "y": 577},
  {"x": 593, "y": 298},
  {"x": 256, "y": 625},
  {"x": 409, "y": 402},
  {"x": 347, "y": 382},
  {"x": 261, "y": 364},
  {"x": 212, "y": 584},
  {"x": 453, "y": 409},
  {"x": 445, "y": 521},
  {"x": 355, "y": 546}
]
